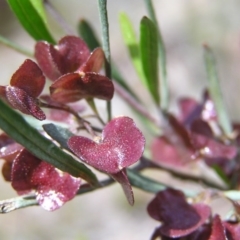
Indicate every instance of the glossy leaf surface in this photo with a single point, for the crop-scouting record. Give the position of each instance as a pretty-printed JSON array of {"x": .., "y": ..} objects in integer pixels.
[
  {"x": 132, "y": 45},
  {"x": 32, "y": 17},
  {"x": 88, "y": 34},
  {"x": 149, "y": 56},
  {"x": 59, "y": 134}
]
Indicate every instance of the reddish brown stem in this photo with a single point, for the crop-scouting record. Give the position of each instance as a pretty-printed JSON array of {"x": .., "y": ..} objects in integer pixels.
[{"x": 66, "y": 108}]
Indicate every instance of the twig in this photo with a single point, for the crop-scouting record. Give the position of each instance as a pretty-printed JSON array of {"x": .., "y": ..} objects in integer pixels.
[
  {"x": 145, "y": 163},
  {"x": 12, "y": 204},
  {"x": 59, "y": 18},
  {"x": 137, "y": 180},
  {"x": 66, "y": 108},
  {"x": 15, "y": 47},
  {"x": 24, "y": 201},
  {"x": 91, "y": 103},
  {"x": 134, "y": 103}
]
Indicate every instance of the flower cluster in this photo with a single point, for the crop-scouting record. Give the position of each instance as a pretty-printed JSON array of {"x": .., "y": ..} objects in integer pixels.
[
  {"x": 70, "y": 65},
  {"x": 196, "y": 136},
  {"x": 74, "y": 72},
  {"x": 191, "y": 138},
  {"x": 47, "y": 162},
  {"x": 29, "y": 174},
  {"x": 181, "y": 220}
]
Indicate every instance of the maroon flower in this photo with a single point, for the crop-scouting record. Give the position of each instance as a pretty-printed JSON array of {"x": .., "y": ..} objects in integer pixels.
[
  {"x": 216, "y": 229},
  {"x": 175, "y": 148},
  {"x": 53, "y": 188},
  {"x": 177, "y": 216},
  {"x": 192, "y": 110},
  {"x": 194, "y": 137},
  {"x": 204, "y": 140},
  {"x": 25, "y": 86},
  {"x": 120, "y": 146},
  {"x": 76, "y": 86},
  {"x": 27, "y": 173},
  {"x": 66, "y": 57},
  {"x": 74, "y": 70},
  {"x": 8, "y": 151}
]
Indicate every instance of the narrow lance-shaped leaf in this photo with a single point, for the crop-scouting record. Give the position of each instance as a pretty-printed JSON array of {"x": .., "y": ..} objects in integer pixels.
[
  {"x": 221, "y": 174},
  {"x": 164, "y": 92},
  {"x": 215, "y": 91},
  {"x": 132, "y": 44},
  {"x": 31, "y": 15},
  {"x": 150, "y": 185},
  {"x": 149, "y": 56},
  {"x": 17, "y": 128},
  {"x": 59, "y": 134},
  {"x": 88, "y": 35}
]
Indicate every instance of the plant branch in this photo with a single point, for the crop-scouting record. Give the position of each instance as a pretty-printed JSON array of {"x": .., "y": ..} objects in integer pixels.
[
  {"x": 15, "y": 47},
  {"x": 145, "y": 163},
  {"x": 59, "y": 18},
  {"x": 134, "y": 103},
  {"x": 91, "y": 103},
  {"x": 102, "y": 5},
  {"x": 66, "y": 108},
  {"x": 28, "y": 200},
  {"x": 137, "y": 180},
  {"x": 12, "y": 204}
]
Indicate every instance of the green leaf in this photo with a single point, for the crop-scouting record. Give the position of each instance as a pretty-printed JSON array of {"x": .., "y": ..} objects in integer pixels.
[
  {"x": 215, "y": 91},
  {"x": 88, "y": 34},
  {"x": 38, "y": 6},
  {"x": 221, "y": 174},
  {"x": 164, "y": 91},
  {"x": 150, "y": 185},
  {"x": 149, "y": 56},
  {"x": 131, "y": 42},
  {"x": 59, "y": 134},
  {"x": 31, "y": 15},
  {"x": 14, "y": 125}
]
